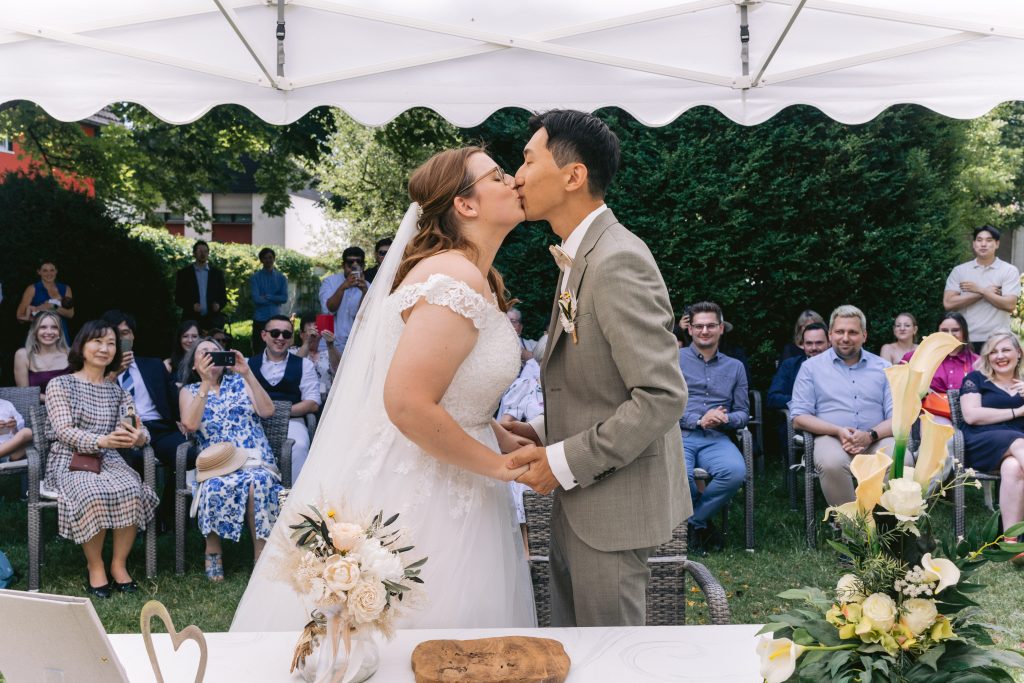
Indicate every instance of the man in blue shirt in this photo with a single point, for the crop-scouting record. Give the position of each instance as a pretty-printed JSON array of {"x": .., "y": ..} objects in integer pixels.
[
  {"x": 269, "y": 290},
  {"x": 717, "y": 406},
  {"x": 842, "y": 395}
]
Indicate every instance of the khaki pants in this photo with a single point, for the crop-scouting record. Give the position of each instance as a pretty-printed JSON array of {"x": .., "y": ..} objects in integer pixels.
[{"x": 832, "y": 464}]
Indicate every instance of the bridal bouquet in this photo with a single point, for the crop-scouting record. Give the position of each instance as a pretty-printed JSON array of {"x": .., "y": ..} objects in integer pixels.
[
  {"x": 355, "y": 576},
  {"x": 903, "y": 611}
]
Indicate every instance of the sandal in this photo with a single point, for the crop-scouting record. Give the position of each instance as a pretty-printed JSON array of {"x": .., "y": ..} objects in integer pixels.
[{"x": 214, "y": 567}]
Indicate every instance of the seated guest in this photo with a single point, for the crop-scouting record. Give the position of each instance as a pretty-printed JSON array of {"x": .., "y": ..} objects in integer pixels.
[
  {"x": 792, "y": 348},
  {"x": 904, "y": 328},
  {"x": 954, "y": 367},
  {"x": 524, "y": 399},
  {"x": 992, "y": 399},
  {"x": 88, "y": 418},
  {"x": 813, "y": 340},
  {"x": 843, "y": 397},
  {"x": 14, "y": 435},
  {"x": 48, "y": 295},
  {"x": 156, "y": 403},
  {"x": 44, "y": 356},
  {"x": 222, "y": 337},
  {"x": 225, "y": 407},
  {"x": 325, "y": 364},
  {"x": 716, "y": 407},
  {"x": 515, "y": 316},
  {"x": 184, "y": 339},
  {"x": 287, "y": 377}
]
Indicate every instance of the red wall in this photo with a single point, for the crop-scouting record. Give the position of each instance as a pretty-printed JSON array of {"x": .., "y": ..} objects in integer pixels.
[{"x": 9, "y": 162}]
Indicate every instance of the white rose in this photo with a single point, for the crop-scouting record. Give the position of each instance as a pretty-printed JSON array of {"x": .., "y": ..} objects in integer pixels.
[
  {"x": 345, "y": 536},
  {"x": 379, "y": 561},
  {"x": 881, "y": 610},
  {"x": 903, "y": 499},
  {"x": 366, "y": 601},
  {"x": 918, "y": 614},
  {"x": 341, "y": 574},
  {"x": 849, "y": 589}
]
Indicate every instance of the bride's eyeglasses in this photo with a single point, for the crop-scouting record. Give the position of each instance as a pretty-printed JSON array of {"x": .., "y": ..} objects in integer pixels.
[{"x": 497, "y": 173}]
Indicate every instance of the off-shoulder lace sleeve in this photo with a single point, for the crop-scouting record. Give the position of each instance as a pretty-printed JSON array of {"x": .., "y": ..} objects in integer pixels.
[{"x": 443, "y": 290}]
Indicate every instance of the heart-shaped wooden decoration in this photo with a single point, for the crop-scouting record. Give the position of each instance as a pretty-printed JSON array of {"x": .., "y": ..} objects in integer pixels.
[{"x": 155, "y": 608}]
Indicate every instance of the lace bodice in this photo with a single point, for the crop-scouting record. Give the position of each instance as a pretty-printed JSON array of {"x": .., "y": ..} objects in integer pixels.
[{"x": 491, "y": 366}]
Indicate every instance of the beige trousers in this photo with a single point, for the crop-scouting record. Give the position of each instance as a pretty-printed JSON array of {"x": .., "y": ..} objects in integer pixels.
[{"x": 832, "y": 464}]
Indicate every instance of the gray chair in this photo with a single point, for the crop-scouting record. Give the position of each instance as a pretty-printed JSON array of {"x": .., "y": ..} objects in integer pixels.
[
  {"x": 24, "y": 400},
  {"x": 987, "y": 479},
  {"x": 276, "y": 429},
  {"x": 39, "y": 500},
  {"x": 666, "y": 594},
  {"x": 745, "y": 442},
  {"x": 794, "y": 454},
  {"x": 756, "y": 427}
]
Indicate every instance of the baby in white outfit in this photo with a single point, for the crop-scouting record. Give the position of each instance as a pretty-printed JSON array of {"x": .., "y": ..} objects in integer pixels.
[{"x": 14, "y": 436}]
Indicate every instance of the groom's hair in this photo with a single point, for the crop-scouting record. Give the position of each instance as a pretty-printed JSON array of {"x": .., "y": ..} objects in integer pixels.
[{"x": 575, "y": 136}]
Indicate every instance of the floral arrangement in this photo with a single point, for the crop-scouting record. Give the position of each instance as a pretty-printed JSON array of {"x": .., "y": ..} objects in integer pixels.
[
  {"x": 903, "y": 611},
  {"x": 567, "y": 314},
  {"x": 355, "y": 576}
]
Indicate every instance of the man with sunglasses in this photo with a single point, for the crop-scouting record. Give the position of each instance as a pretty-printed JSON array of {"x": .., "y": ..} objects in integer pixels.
[
  {"x": 380, "y": 250},
  {"x": 341, "y": 294},
  {"x": 287, "y": 377}
]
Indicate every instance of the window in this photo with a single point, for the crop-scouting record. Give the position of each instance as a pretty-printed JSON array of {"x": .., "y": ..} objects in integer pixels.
[{"x": 6, "y": 145}]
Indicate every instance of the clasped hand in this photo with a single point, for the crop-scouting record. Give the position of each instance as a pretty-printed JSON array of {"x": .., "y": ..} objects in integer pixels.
[
  {"x": 854, "y": 441},
  {"x": 528, "y": 463}
]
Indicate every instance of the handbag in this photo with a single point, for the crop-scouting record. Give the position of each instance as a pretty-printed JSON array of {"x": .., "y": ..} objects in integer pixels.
[
  {"x": 85, "y": 462},
  {"x": 937, "y": 404}
]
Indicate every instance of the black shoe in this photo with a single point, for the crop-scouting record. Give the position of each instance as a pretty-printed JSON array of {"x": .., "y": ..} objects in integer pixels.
[
  {"x": 698, "y": 539},
  {"x": 129, "y": 587},
  {"x": 102, "y": 592}
]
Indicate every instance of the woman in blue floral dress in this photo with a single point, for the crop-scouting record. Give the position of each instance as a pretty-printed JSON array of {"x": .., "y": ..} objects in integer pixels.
[{"x": 221, "y": 407}]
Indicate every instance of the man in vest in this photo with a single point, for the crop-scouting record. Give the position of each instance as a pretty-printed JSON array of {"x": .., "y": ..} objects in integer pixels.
[{"x": 287, "y": 377}]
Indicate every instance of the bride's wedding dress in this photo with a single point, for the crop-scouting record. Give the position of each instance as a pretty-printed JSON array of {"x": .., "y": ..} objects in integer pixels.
[{"x": 476, "y": 574}]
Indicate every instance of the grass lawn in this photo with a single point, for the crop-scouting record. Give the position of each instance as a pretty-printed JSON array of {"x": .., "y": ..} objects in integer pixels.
[{"x": 752, "y": 580}]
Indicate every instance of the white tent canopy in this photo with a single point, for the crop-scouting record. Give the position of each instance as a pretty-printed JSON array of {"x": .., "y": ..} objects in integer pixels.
[{"x": 467, "y": 58}]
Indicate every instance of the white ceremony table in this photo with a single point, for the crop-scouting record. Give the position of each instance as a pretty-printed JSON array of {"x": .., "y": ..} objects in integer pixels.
[{"x": 712, "y": 654}]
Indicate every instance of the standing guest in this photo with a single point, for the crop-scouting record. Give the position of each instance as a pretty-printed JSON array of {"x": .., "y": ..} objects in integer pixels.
[
  {"x": 526, "y": 346},
  {"x": 954, "y": 367},
  {"x": 224, "y": 408},
  {"x": 223, "y": 338},
  {"x": 325, "y": 364},
  {"x": 14, "y": 435},
  {"x": 342, "y": 293},
  {"x": 48, "y": 295},
  {"x": 199, "y": 289},
  {"x": 985, "y": 289},
  {"x": 842, "y": 396},
  {"x": 792, "y": 348},
  {"x": 156, "y": 403},
  {"x": 904, "y": 328},
  {"x": 716, "y": 407},
  {"x": 287, "y": 377},
  {"x": 269, "y": 288},
  {"x": 185, "y": 338},
  {"x": 380, "y": 250},
  {"x": 85, "y": 418},
  {"x": 992, "y": 398},
  {"x": 44, "y": 356}
]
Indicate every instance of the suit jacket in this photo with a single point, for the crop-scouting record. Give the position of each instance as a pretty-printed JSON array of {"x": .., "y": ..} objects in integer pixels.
[
  {"x": 616, "y": 396},
  {"x": 781, "y": 390},
  {"x": 161, "y": 389},
  {"x": 186, "y": 290}
]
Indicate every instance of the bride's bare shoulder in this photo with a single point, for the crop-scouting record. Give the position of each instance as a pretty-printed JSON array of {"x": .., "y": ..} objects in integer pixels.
[{"x": 452, "y": 264}]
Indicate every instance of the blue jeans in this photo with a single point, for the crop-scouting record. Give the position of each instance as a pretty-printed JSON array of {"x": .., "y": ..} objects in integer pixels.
[{"x": 716, "y": 453}]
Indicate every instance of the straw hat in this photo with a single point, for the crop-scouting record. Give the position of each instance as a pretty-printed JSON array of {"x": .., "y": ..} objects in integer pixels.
[{"x": 218, "y": 460}]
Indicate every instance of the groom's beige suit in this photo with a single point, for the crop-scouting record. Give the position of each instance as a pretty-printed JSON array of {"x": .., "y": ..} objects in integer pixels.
[{"x": 614, "y": 399}]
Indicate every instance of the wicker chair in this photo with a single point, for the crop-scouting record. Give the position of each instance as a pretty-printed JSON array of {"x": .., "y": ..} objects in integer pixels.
[
  {"x": 794, "y": 447},
  {"x": 666, "y": 594},
  {"x": 276, "y": 429},
  {"x": 987, "y": 479},
  {"x": 39, "y": 500},
  {"x": 745, "y": 441},
  {"x": 806, "y": 442},
  {"x": 756, "y": 427},
  {"x": 24, "y": 400}
]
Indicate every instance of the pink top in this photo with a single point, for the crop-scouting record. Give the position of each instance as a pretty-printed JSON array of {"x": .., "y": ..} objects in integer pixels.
[{"x": 952, "y": 369}]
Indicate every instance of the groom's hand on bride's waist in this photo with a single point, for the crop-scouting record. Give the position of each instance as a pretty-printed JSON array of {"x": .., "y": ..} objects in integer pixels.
[{"x": 539, "y": 477}]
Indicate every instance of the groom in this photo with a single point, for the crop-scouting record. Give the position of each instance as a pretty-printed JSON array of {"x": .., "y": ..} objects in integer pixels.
[{"x": 609, "y": 444}]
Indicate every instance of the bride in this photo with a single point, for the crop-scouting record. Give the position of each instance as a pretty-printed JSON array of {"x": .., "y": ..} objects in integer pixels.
[{"x": 408, "y": 427}]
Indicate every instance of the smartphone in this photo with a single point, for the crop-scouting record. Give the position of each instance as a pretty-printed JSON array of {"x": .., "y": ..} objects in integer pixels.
[
  {"x": 223, "y": 359},
  {"x": 324, "y": 322},
  {"x": 126, "y": 345}
]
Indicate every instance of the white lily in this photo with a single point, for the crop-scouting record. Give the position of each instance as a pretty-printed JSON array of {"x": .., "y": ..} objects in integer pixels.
[
  {"x": 778, "y": 658},
  {"x": 940, "y": 569}
]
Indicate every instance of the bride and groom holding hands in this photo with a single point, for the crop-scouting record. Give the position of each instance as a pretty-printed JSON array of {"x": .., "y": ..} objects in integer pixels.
[{"x": 432, "y": 352}]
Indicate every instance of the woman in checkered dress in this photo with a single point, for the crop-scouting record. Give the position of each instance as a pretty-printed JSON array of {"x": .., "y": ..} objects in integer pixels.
[{"x": 85, "y": 410}]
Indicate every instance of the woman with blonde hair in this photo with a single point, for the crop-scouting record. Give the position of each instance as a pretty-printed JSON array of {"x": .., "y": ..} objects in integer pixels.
[
  {"x": 44, "y": 356},
  {"x": 992, "y": 399},
  {"x": 904, "y": 329},
  {"x": 431, "y": 351}
]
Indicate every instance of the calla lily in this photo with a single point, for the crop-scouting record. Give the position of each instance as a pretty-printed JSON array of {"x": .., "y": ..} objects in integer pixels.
[
  {"x": 931, "y": 457},
  {"x": 940, "y": 569},
  {"x": 778, "y": 658},
  {"x": 929, "y": 354},
  {"x": 869, "y": 469}
]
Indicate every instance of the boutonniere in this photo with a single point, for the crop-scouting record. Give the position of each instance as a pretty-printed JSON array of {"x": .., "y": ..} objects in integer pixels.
[{"x": 567, "y": 314}]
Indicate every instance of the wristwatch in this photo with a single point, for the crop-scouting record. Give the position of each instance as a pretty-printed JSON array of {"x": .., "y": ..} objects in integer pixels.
[{"x": 874, "y": 435}]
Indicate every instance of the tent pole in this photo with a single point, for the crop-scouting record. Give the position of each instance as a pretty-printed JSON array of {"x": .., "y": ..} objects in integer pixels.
[
  {"x": 232, "y": 19},
  {"x": 280, "y": 37},
  {"x": 797, "y": 7}
]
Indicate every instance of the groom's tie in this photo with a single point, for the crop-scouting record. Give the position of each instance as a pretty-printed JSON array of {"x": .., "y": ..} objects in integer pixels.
[{"x": 562, "y": 259}]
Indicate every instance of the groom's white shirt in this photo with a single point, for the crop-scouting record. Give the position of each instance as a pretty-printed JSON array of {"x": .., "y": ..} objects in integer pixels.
[{"x": 556, "y": 451}]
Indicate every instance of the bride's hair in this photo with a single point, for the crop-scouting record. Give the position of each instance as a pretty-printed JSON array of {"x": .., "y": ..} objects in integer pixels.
[{"x": 434, "y": 186}]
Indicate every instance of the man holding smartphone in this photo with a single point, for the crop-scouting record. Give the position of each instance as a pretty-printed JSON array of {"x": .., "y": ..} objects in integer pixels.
[{"x": 341, "y": 294}]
